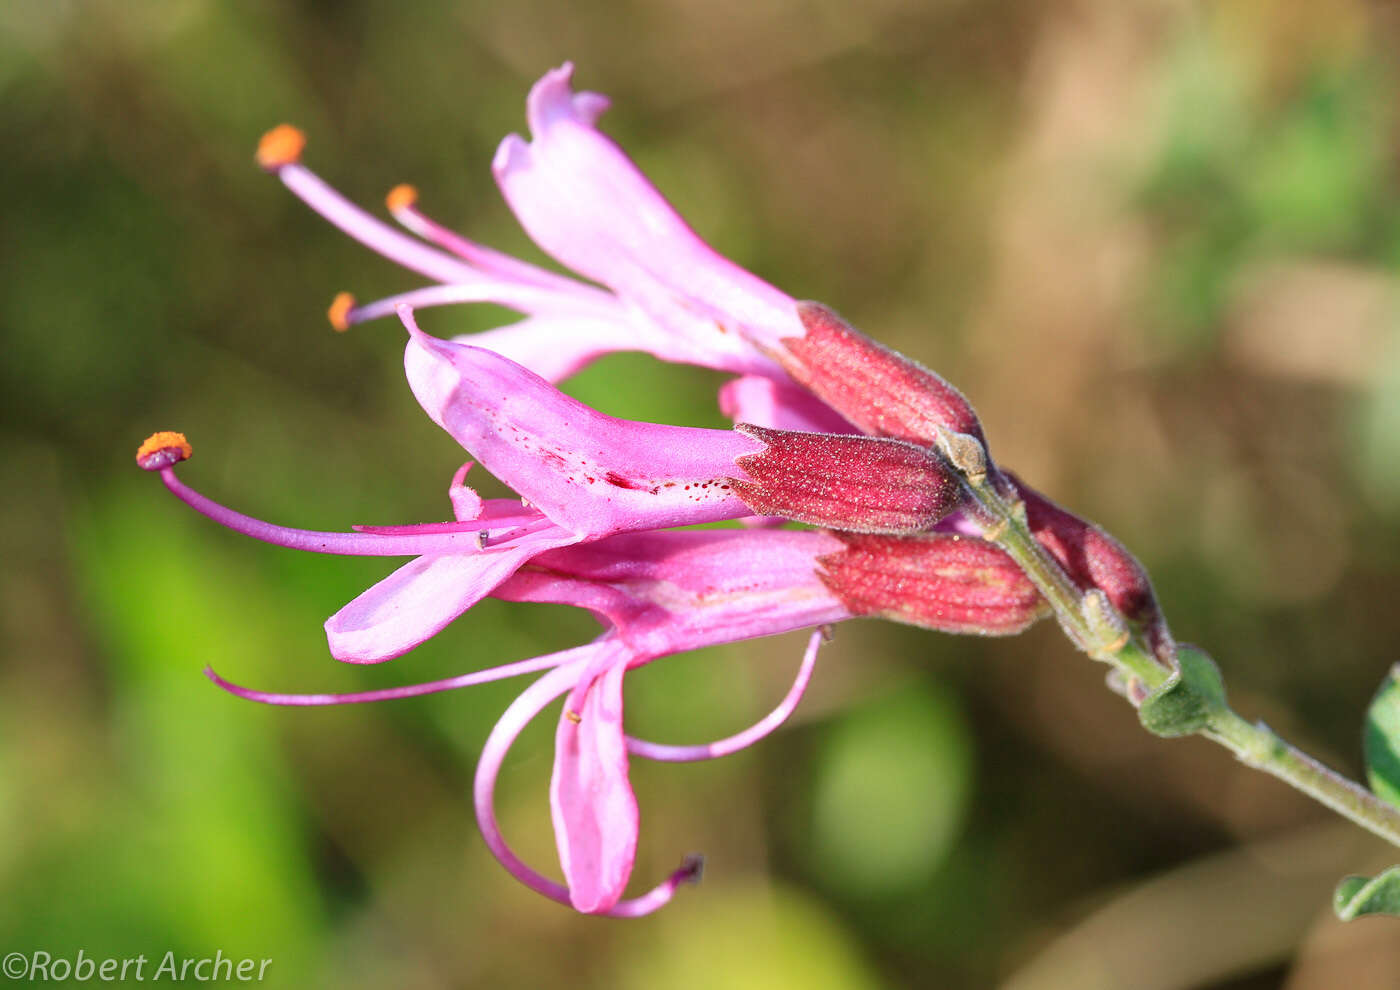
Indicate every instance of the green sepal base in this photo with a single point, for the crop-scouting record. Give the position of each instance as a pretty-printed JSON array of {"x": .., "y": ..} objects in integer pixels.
[{"x": 1185, "y": 702}]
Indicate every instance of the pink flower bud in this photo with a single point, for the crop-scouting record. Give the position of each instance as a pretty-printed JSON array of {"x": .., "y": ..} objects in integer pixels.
[
  {"x": 877, "y": 389},
  {"x": 956, "y": 584},
  {"x": 863, "y": 484},
  {"x": 1093, "y": 559}
]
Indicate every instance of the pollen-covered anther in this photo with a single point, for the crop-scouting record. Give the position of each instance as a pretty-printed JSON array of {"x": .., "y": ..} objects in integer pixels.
[
  {"x": 280, "y": 146},
  {"x": 573, "y": 716},
  {"x": 401, "y": 197},
  {"x": 162, "y": 449},
  {"x": 339, "y": 311}
]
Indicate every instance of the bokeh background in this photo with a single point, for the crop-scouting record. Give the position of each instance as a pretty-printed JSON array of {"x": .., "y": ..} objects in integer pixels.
[{"x": 1155, "y": 242}]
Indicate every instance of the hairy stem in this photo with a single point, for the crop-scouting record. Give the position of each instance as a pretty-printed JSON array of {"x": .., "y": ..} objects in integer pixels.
[{"x": 1260, "y": 747}]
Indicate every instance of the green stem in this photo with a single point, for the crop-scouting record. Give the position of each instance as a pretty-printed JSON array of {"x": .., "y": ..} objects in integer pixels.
[
  {"x": 1093, "y": 624},
  {"x": 1260, "y": 747}
]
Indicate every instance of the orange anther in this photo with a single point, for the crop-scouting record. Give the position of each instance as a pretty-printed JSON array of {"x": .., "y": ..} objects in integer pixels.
[
  {"x": 280, "y": 146},
  {"x": 162, "y": 450},
  {"x": 401, "y": 197},
  {"x": 339, "y": 311}
]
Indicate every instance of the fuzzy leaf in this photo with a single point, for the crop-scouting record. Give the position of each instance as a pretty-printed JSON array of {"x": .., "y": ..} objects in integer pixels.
[{"x": 1382, "y": 739}]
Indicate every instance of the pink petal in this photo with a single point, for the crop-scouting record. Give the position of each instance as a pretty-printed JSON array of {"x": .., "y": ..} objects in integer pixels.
[
  {"x": 423, "y": 596},
  {"x": 778, "y": 404},
  {"x": 594, "y": 809},
  {"x": 521, "y": 711},
  {"x": 586, "y": 471},
  {"x": 557, "y": 347},
  {"x": 585, "y": 203},
  {"x": 667, "y": 592}
]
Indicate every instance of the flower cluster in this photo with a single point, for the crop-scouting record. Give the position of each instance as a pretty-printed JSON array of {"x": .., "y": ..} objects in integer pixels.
[{"x": 832, "y": 430}]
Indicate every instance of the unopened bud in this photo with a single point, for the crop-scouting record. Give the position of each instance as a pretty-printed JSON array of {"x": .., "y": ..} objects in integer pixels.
[
  {"x": 861, "y": 484},
  {"x": 1095, "y": 560},
  {"x": 943, "y": 581}
]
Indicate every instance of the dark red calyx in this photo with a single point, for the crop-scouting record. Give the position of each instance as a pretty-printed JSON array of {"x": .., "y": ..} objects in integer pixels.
[
  {"x": 875, "y": 388},
  {"x": 943, "y": 581},
  {"x": 846, "y": 482}
]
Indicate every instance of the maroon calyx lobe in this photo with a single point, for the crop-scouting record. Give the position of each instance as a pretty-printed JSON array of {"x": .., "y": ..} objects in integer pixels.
[
  {"x": 846, "y": 482},
  {"x": 942, "y": 581},
  {"x": 877, "y": 389},
  {"x": 1093, "y": 559}
]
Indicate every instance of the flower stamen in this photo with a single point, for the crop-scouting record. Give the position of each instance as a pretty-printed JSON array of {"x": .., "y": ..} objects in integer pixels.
[
  {"x": 163, "y": 450},
  {"x": 751, "y": 735},
  {"x": 402, "y": 203},
  {"x": 499, "y": 673}
]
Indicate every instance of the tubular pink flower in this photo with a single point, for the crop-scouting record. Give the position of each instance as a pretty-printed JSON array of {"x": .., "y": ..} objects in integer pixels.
[
  {"x": 588, "y": 472},
  {"x": 658, "y": 593}
]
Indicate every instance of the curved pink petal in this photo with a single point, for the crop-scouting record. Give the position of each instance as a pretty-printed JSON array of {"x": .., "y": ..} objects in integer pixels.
[
  {"x": 420, "y": 598},
  {"x": 681, "y": 590},
  {"x": 594, "y": 809},
  {"x": 588, "y": 205},
  {"x": 488, "y": 768},
  {"x": 586, "y": 471}
]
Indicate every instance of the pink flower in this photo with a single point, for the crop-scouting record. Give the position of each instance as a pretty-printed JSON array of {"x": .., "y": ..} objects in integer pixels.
[
  {"x": 600, "y": 492},
  {"x": 600, "y": 495}
]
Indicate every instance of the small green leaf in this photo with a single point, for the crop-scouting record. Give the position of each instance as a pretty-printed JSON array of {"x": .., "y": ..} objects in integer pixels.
[
  {"x": 1382, "y": 739},
  {"x": 1360, "y": 896},
  {"x": 1184, "y": 704}
]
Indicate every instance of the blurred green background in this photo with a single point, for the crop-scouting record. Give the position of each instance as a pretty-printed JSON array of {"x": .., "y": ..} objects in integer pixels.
[{"x": 1154, "y": 241}]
